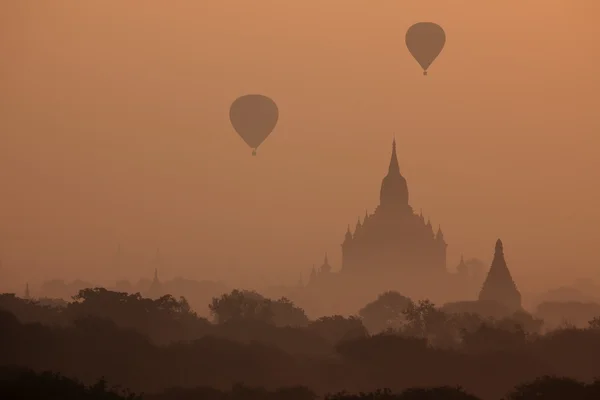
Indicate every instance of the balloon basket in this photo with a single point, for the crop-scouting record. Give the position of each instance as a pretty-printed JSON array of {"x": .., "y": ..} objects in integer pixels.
[
  {"x": 253, "y": 152},
  {"x": 424, "y": 73}
]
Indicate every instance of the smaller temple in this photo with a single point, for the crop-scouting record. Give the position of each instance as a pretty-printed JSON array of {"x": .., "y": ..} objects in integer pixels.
[
  {"x": 462, "y": 268},
  {"x": 499, "y": 286},
  {"x": 322, "y": 274},
  {"x": 27, "y": 293},
  {"x": 325, "y": 268},
  {"x": 156, "y": 289}
]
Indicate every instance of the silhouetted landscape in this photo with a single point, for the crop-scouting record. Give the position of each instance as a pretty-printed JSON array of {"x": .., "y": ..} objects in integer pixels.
[
  {"x": 299, "y": 200},
  {"x": 255, "y": 347}
]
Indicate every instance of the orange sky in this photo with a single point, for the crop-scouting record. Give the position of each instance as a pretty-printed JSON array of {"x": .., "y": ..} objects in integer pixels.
[{"x": 114, "y": 128}]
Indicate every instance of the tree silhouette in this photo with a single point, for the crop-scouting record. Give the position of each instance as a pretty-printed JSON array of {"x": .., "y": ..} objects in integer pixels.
[
  {"x": 165, "y": 319},
  {"x": 240, "y": 305},
  {"x": 386, "y": 312},
  {"x": 425, "y": 320},
  {"x": 22, "y": 384},
  {"x": 337, "y": 328},
  {"x": 550, "y": 388}
]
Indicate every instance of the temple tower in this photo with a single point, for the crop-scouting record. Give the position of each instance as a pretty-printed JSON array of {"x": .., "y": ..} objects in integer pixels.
[{"x": 499, "y": 285}]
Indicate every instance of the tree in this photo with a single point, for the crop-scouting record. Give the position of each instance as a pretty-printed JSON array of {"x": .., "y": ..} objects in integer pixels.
[
  {"x": 30, "y": 310},
  {"x": 594, "y": 323},
  {"x": 437, "y": 393},
  {"x": 425, "y": 320},
  {"x": 285, "y": 313},
  {"x": 165, "y": 319},
  {"x": 550, "y": 388},
  {"x": 25, "y": 384},
  {"x": 241, "y": 305},
  {"x": 386, "y": 312},
  {"x": 489, "y": 337},
  {"x": 526, "y": 321},
  {"x": 337, "y": 328}
]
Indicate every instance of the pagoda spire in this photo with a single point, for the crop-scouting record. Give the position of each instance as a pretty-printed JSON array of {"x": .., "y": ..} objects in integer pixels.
[
  {"x": 439, "y": 235},
  {"x": 313, "y": 275},
  {"x": 394, "y": 190},
  {"x": 27, "y": 294},
  {"x": 499, "y": 285},
  {"x": 326, "y": 268},
  {"x": 348, "y": 235},
  {"x": 394, "y": 166}
]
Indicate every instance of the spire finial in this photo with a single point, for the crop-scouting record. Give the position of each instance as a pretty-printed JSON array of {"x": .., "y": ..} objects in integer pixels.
[
  {"x": 499, "y": 247},
  {"x": 156, "y": 274},
  {"x": 440, "y": 234},
  {"x": 394, "y": 167}
]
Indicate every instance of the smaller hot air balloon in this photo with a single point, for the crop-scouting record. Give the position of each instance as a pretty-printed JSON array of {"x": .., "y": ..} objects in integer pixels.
[
  {"x": 425, "y": 41},
  {"x": 253, "y": 117}
]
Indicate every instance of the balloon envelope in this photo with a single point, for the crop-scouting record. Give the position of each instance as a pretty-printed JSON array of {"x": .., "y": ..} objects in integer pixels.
[
  {"x": 425, "y": 41},
  {"x": 253, "y": 117}
]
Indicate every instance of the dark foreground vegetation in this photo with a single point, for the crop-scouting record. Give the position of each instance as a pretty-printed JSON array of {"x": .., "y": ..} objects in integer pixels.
[
  {"x": 153, "y": 346},
  {"x": 24, "y": 384}
]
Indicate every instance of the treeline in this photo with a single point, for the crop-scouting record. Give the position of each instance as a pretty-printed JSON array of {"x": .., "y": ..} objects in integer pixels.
[
  {"x": 167, "y": 319},
  {"x": 151, "y": 345},
  {"x": 25, "y": 384}
]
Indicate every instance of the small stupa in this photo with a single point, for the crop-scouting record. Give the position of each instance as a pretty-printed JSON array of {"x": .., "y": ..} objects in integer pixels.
[{"x": 499, "y": 286}]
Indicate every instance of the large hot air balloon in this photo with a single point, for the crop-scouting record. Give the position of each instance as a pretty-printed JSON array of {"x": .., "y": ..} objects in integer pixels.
[
  {"x": 425, "y": 41},
  {"x": 253, "y": 117}
]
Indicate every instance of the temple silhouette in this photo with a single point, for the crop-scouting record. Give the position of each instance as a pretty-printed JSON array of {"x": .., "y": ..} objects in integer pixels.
[
  {"x": 394, "y": 237},
  {"x": 394, "y": 248},
  {"x": 393, "y": 240},
  {"x": 499, "y": 285}
]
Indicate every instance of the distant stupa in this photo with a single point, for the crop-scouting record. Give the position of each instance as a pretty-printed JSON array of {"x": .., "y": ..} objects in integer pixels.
[
  {"x": 155, "y": 290},
  {"x": 499, "y": 285}
]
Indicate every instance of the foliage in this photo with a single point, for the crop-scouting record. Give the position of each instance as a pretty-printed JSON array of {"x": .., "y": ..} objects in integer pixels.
[
  {"x": 337, "y": 328},
  {"x": 23, "y": 384},
  {"x": 150, "y": 345},
  {"x": 386, "y": 312},
  {"x": 249, "y": 305}
]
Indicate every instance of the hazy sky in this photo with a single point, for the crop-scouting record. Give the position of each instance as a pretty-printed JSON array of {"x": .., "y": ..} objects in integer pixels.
[{"x": 114, "y": 129}]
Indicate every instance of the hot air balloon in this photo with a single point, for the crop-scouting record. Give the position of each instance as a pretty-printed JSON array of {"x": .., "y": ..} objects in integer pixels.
[
  {"x": 425, "y": 41},
  {"x": 253, "y": 117}
]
